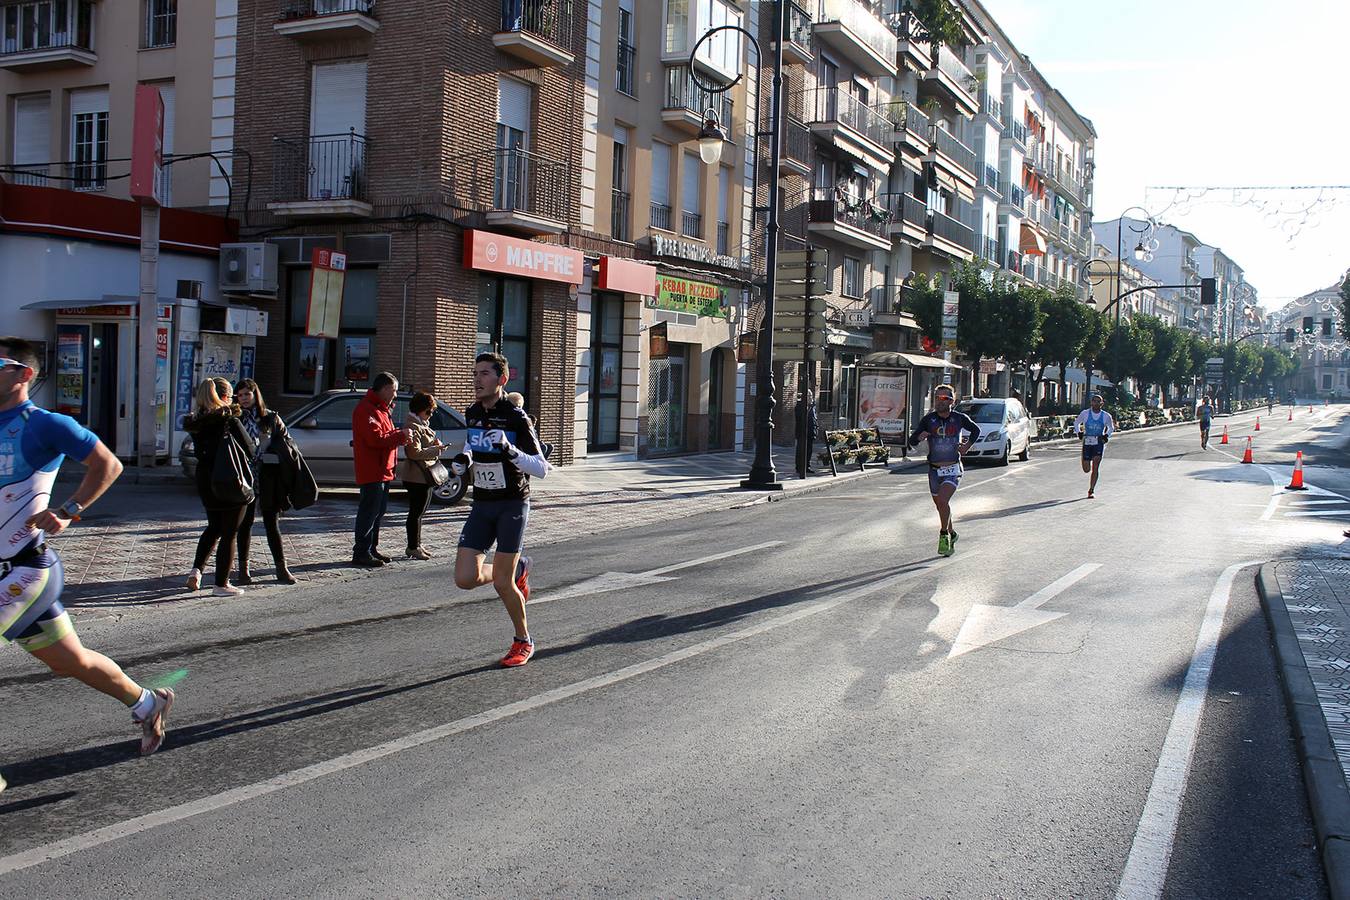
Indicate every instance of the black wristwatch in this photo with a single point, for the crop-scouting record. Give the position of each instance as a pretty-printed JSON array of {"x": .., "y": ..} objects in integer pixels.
[{"x": 70, "y": 510}]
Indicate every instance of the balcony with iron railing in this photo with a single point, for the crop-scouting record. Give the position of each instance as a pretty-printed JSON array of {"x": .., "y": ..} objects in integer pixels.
[
  {"x": 321, "y": 176},
  {"x": 48, "y": 35},
  {"x": 991, "y": 106},
  {"x": 1016, "y": 196},
  {"x": 990, "y": 180},
  {"x": 326, "y": 20},
  {"x": 796, "y": 155},
  {"x": 797, "y": 46},
  {"x": 913, "y": 127},
  {"x": 954, "y": 234},
  {"x": 538, "y": 31},
  {"x": 913, "y": 47},
  {"x": 1016, "y": 132},
  {"x": 723, "y": 238},
  {"x": 625, "y": 77},
  {"x": 953, "y": 155},
  {"x": 851, "y": 220},
  {"x": 686, "y": 103},
  {"x": 908, "y": 214},
  {"x": 854, "y": 31},
  {"x": 620, "y": 204},
  {"x": 1012, "y": 261},
  {"x": 990, "y": 249},
  {"x": 691, "y": 224},
  {"x": 852, "y": 126},
  {"x": 953, "y": 81},
  {"x": 660, "y": 216},
  {"x": 514, "y": 189}
]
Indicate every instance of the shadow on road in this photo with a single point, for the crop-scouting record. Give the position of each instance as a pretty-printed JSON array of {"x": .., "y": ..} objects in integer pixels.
[{"x": 1017, "y": 510}]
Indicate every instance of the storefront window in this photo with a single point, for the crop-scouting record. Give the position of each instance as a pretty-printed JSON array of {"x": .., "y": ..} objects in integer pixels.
[
  {"x": 504, "y": 326},
  {"x": 348, "y": 359},
  {"x": 606, "y": 370}
]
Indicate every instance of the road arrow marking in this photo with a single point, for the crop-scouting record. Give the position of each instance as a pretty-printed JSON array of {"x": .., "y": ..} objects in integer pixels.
[
  {"x": 986, "y": 625},
  {"x": 618, "y": 581}
]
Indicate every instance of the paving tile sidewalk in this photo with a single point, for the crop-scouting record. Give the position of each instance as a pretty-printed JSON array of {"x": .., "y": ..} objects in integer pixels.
[
  {"x": 1307, "y": 602},
  {"x": 136, "y": 546}
]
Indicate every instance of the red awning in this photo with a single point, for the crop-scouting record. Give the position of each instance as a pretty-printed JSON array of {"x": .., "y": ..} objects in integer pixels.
[{"x": 1031, "y": 243}]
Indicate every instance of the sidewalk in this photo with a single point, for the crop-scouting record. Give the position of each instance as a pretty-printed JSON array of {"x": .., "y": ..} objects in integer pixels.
[
  {"x": 137, "y": 544},
  {"x": 1307, "y": 603}
]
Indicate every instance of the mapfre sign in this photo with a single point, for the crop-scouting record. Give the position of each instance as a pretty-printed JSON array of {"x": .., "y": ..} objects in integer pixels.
[{"x": 490, "y": 252}]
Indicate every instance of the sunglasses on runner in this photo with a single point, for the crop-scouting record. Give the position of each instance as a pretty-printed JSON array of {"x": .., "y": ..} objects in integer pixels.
[{"x": 6, "y": 362}]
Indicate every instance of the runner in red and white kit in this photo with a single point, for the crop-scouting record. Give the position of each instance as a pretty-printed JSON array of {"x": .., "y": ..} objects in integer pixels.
[
  {"x": 502, "y": 452},
  {"x": 33, "y": 444}
]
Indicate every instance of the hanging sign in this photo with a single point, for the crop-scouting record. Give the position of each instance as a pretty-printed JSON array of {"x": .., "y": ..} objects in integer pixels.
[
  {"x": 658, "y": 341},
  {"x": 687, "y": 296},
  {"x": 327, "y": 278},
  {"x": 951, "y": 309}
]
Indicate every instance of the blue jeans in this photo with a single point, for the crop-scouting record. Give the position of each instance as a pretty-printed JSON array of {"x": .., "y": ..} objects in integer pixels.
[{"x": 374, "y": 501}]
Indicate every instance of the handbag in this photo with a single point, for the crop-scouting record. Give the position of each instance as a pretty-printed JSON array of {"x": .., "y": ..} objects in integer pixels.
[
  {"x": 232, "y": 473},
  {"x": 437, "y": 473}
]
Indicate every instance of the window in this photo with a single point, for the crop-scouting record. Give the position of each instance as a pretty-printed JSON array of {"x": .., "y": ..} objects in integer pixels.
[
  {"x": 161, "y": 23},
  {"x": 46, "y": 25},
  {"x": 32, "y": 138},
  {"x": 504, "y": 326},
  {"x": 515, "y": 107},
  {"x": 89, "y": 139},
  {"x": 691, "y": 196},
  {"x": 619, "y": 186},
  {"x": 335, "y": 158},
  {"x": 723, "y": 210},
  {"x": 337, "y": 413},
  {"x": 852, "y": 276},
  {"x": 345, "y": 360},
  {"x": 660, "y": 212},
  {"x": 626, "y": 74}
]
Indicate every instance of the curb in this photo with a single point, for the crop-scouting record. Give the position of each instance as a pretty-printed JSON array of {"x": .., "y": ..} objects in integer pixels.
[
  {"x": 1328, "y": 795},
  {"x": 823, "y": 482}
]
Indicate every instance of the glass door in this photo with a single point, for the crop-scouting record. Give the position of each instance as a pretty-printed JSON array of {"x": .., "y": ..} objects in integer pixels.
[
  {"x": 606, "y": 371},
  {"x": 666, "y": 392},
  {"x": 715, "y": 399}
]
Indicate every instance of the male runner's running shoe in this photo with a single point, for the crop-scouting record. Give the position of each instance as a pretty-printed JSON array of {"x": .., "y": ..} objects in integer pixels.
[
  {"x": 519, "y": 654},
  {"x": 954, "y": 537},
  {"x": 944, "y": 545},
  {"x": 152, "y": 726},
  {"x": 2, "y": 784},
  {"x": 523, "y": 577}
]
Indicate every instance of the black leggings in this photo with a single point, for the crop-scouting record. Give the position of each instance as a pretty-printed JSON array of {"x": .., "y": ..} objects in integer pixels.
[
  {"x": 222, "y": 527},
  {"x": 273, "y": 536},
  {"x": 419, "y": 498}
]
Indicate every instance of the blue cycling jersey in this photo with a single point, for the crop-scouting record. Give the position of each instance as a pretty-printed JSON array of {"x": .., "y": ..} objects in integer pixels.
[{"x": 33, "y": 443}]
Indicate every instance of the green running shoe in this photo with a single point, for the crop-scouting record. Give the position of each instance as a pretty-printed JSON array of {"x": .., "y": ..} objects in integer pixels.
[{"x": 944, "y": 545}]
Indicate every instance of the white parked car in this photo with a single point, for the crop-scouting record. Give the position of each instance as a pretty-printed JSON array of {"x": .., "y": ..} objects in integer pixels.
[{"x": 1005, "y": 429}]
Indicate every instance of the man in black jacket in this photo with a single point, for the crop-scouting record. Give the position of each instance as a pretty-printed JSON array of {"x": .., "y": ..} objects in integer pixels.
[{"x": 806, "y": 418}]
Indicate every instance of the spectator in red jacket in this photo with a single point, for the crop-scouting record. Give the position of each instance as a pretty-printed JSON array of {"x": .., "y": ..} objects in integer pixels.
[{"x": 375, "y": 443}]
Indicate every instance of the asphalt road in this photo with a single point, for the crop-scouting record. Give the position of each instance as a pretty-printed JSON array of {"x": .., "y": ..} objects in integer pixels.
[{"x": 834, "y": 711}]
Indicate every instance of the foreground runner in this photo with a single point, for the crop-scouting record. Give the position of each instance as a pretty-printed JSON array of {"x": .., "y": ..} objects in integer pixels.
[
  {"x": 503, "y": 451},
  {"x": 943, "y": 427},
  {"x": 1204, "y": 413},
  {"x": 1095, "y": 427},
  {"x": 33, "y": 443}
]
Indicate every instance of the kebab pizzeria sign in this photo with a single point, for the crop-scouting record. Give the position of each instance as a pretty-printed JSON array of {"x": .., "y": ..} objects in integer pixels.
[{"x": 684, "y": 295}]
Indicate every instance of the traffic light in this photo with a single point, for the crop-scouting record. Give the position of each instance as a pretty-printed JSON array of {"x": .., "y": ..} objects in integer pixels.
[
  {"x": 1326, "y": 328},
  {"x": 1307, "y": 324},
  {"x": 1289, "y": 335},
  {"x": 1209, "y": 293}
]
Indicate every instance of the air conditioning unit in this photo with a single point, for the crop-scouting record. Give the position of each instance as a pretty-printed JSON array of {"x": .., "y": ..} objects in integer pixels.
[{"x": 248, "y": 268}]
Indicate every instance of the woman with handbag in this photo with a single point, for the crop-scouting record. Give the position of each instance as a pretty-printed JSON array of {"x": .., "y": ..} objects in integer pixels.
[
  {"x": 264, "y": 427},
  {"x": 421, "y": 470},
  {"x": 213, "y": 426}
]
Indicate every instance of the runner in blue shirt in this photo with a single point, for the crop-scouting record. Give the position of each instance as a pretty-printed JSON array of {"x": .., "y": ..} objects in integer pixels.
[
  {"x": 944, "y": 428},
  {"x": 33, "y": 443},
  {"x": 1204, "y": 413},
  {"x": 1094, "y": 427}
]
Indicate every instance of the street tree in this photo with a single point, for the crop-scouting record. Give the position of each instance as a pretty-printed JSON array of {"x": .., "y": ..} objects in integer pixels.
[
  {"x": 1064, "y": 333},
  {"x": 1017, "y": 315},
  {"x": 923, "y": 299},
  {"x": 1345, "y": 306},
  {"x": 1167, "y": 346},
  {"x": 940, "y": 19},
  {"x": 1128, "y": 352}
]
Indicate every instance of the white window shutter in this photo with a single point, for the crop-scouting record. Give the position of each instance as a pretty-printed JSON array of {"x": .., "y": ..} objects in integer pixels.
[
  {"x": 515, "y": 103},
  {"x": 693, "y": 174},
  {"x": 338, "y": 102},
  {"x": 723, "y": 194},
  {"x": 32, "y": 129},
  {"x": 661, "y": 173},
  {"x": 94, "y": 100}
]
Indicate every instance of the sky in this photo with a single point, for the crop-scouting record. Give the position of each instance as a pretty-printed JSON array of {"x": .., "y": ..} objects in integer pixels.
[{"x": 1202, "y": 93}]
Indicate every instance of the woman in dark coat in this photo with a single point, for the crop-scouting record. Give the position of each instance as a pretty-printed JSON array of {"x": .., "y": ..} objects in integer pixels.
[
  {"x": 264, "y": 426},
  {"x": 215, "y": 417}
]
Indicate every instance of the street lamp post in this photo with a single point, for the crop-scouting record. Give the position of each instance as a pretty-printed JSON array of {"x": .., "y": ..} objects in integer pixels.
[
  {"x": 762, "y": 476},
  {"x": 1143, "y": 250}
]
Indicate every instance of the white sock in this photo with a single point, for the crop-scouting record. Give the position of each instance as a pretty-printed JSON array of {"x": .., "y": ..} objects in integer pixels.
[{"x": 142, "y": 708}]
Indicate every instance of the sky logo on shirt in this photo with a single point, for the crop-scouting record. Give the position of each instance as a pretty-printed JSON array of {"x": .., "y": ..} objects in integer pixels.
[{"x": 477, "y": 440}]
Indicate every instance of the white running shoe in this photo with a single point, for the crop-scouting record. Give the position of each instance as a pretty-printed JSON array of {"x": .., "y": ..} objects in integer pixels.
[
  {"x": 152, "y": 726},
  {"x": 227, "y": 590}
]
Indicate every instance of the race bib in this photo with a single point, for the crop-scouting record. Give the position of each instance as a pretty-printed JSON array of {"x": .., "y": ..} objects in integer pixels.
[
  {"x": 489, "y": 476},
  {"x": 949, "y": 471},
  {"x": 1090, "y": 440}
]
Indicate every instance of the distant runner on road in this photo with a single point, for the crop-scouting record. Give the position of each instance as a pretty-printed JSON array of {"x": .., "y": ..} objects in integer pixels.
[
  {"x": 1204, "y": 413},
  {"x": 1094, "y": 427},
  {"x": 944, "y": 428},
  {"x": 33, "y": 444}
]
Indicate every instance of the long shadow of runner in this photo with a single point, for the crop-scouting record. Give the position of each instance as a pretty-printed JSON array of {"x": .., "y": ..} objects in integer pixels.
[
  {"x": 149, "y": 591},
  {"x": 651, "y": 628},
  {"x": 58, "y": 765},
  {"x": 1017, "y": 510}
]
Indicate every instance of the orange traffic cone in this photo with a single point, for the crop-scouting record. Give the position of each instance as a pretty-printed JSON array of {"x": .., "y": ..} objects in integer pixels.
[
  {"x": 1296, "y": 483},
  {"x": 1224, "y": 439},
  {"x": 1258, "y": 424},
  {"x": 1247, "y": 454}
]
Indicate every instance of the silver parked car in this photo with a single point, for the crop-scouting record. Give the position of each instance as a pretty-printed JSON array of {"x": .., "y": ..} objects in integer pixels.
[{"x": 322, "y": 429}]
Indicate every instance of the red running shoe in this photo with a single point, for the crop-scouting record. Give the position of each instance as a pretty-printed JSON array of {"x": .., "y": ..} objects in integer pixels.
[
  {"x": 519, "y": 655},
  {"x": 523, "y": 577}
]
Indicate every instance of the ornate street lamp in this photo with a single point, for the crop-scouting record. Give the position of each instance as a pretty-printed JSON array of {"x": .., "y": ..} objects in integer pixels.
[{"x": 762, "y": 476}]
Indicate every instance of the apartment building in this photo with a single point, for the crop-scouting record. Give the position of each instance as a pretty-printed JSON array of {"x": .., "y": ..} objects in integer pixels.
[
  {"x": 69, "y": 232},
  {"x": 1170, "y": 256},
  {"x": 1320, "y": 345},
  {"x": 439, "y": 149},
  {"x": 1235, "y": 295},
  {"x": 678, "y": 225},
  {"x": 1111, "y": 277}
]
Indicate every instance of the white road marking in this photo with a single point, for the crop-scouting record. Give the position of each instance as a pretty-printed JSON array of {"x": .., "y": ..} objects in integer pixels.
[
  {"x": 617, "y": 581},
  {"x": 986, "y": 625},
  {"x": 1317, "y": 513},
  {"x": 141, "y": 824},
  {"x": 1146, "y": 867},
  {"x": 1317, "y": 502}
]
